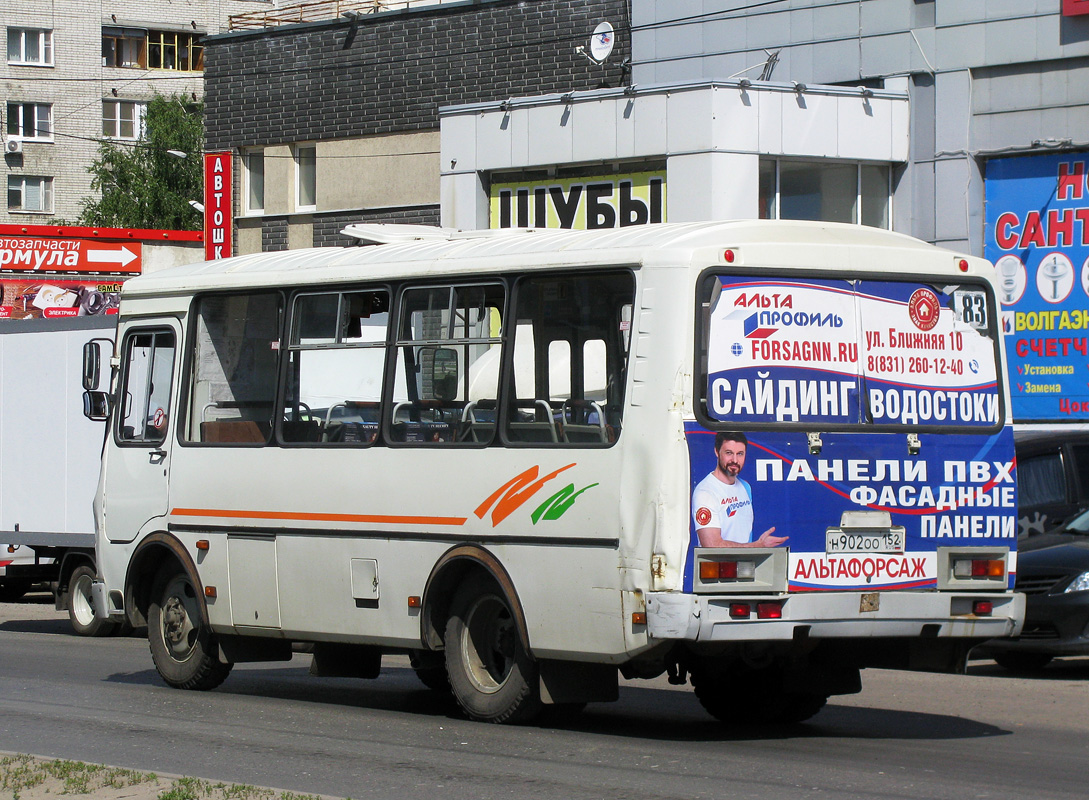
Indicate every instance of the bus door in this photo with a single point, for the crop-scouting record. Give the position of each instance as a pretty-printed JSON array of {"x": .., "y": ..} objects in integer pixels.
[{"x": 136, "y": 481}]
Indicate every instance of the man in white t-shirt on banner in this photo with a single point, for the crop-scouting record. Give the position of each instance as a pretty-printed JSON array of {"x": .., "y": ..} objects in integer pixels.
[{"x": 722, "y": 502}]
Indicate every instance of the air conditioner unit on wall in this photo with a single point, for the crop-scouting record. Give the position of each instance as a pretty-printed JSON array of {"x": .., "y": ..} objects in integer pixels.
[{"x": 13, "y": 146}]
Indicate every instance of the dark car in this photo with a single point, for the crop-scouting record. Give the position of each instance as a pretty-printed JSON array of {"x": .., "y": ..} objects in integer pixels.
[
  {"x": 1053, "y": 573},
  {"x": 1052, "y": 478}
]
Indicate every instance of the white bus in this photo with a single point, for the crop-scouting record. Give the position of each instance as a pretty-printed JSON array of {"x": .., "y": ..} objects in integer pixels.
[{"x": 762, "y": 456}]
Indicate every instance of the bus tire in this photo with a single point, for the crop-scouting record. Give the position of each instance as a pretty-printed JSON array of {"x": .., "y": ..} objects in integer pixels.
[
  {"x": 1022, "y": 662},
  {"x": 730, "y": 701},
  {"x": 491, "y": 675},
  {"x": 183, "y": 648},
  {"x": 81, "y": 609},
  {"x": 430, "y": 668}
]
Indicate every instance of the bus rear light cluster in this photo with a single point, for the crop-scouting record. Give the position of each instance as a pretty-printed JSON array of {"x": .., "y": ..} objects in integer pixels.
[
  {"x": 979, "y": 568},
  {"x": 763, "y": 610},
  {"x": 727, "y": 570}
]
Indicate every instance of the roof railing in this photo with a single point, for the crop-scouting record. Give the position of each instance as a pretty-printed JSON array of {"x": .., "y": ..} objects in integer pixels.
[{"x": 320, "y": 11}]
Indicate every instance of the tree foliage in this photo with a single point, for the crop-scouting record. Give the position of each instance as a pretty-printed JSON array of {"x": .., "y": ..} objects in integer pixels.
[{"x": 141, "y": 185}]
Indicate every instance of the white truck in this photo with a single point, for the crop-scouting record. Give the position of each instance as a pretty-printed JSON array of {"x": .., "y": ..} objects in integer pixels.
[{"x": 49, "y": 462}]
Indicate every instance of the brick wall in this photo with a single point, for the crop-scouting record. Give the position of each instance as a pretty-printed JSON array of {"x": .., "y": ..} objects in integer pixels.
[
  {"x": 273, "y": 234},
  {"x": 328, "y": 227},
  {"x": 306, "y": 82}
]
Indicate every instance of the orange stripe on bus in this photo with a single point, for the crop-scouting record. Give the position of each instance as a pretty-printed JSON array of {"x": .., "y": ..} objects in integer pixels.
[{"x": 388, "y": 519}]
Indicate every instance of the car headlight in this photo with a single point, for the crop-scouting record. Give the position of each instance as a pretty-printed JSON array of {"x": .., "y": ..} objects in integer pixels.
[{"x": 1079, "y": 584}]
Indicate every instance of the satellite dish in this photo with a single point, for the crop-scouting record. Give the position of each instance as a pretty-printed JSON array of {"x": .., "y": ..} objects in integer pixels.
[{"x": 601, "y": 42}]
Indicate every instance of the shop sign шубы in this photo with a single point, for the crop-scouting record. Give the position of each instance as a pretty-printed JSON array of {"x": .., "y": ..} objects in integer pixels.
[{"x": 582, "y": 203}]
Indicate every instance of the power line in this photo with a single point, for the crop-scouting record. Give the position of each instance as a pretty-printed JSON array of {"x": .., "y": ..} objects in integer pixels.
[{"x": 385, "y": 59}]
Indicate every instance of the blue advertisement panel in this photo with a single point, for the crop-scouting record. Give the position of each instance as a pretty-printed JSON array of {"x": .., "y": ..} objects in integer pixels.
[
  {"x": 960, "y": 489},
  {"x": 1037, "y": 236},
  {"x": 824, "y": 380},
  {"x": 851, "y": 352}
]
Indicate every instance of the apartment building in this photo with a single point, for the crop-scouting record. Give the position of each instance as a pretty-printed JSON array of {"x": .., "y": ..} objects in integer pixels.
[{"x": 77, "y": 74}]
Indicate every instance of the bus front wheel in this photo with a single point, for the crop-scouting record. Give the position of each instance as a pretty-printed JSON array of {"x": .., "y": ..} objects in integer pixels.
[
  {"x": 492, "y": 676},
  {"x": 183, "y": 648}
]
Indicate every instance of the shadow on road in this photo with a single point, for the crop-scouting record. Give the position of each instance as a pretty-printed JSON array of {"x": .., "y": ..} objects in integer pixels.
[
  {"x": 1061, "y": 669},
  {"x": 57, "y": 626},
  {"x": 642, "y": 712}
]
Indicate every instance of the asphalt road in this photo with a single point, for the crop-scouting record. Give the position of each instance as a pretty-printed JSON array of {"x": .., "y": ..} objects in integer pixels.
[{"x": 907, "y": 735}]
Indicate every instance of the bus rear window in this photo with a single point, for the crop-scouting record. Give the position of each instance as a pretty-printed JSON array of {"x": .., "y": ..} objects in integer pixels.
[{"x": 845, "y": 353}]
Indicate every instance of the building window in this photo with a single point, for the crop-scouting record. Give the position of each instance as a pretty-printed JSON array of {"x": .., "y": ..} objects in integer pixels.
[
  {"x": 124, "y": 47},
  {"x": 32, "y": 46},
  {"x": 826, "y": 191},
  {"x": 148, "y": 49},
  {"x": 180, "y": 51},
  {"x": 28, "y": 193},
  {"x": 31, "y": 122},
  {"x": 254, "y": 171},
  {"x": 306, "y": 179},
  {"x": 123, "y": 119}
]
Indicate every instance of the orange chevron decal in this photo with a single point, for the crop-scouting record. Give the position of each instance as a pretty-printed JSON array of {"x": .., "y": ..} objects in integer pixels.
[{"x": 512, "y": 494}]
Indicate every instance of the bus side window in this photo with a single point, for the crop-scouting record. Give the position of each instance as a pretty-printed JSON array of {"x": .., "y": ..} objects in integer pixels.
[
  {"x": 448, "y": 359},
  {"x": 570, "y": 359},
  {"x": 233, "y": 379},
  {"x": 145, "y": 392},
  {"x": 336, "y": 363}
]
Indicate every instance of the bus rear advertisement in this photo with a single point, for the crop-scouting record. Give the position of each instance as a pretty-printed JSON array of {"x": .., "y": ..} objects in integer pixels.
[{"x": 756, "y": 456}]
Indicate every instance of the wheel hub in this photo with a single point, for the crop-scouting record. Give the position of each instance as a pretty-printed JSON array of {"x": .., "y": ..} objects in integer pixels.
[{"x": 175, "y": 623}]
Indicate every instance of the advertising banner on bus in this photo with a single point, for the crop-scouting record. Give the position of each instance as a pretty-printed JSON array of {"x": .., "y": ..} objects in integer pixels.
[
  {"x": 826, "y": 382},
  {"x": 851, "y": 352},
  {"x": 1037, "y": 236},
  {"x": 957, "y": 490}
]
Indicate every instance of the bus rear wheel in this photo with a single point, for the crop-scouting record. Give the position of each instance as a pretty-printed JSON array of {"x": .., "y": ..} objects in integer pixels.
[
  {"x": 491, "y": 675},
  {"x": 183, "y": 648},
  {"x": 734, "y": 700},
  {"x": 430, "y": 668},
  {"x": 81, "y": 609}
]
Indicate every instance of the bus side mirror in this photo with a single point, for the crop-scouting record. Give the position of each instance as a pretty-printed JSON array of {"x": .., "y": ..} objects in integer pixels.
[
  {"x": 444, "y": 373},
  {"x": 94, "y": 356},
  {"x": 96, "y": 406}
]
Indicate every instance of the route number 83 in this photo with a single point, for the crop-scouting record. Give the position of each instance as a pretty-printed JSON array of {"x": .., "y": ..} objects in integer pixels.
[{"x": 971, "y": 308}]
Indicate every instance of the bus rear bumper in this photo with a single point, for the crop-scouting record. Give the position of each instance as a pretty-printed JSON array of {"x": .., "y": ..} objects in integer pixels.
[{"x": 702, "y": 618}]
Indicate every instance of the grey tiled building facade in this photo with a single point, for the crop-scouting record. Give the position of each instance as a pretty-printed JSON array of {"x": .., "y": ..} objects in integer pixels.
[{"x": 986, "y": 79}]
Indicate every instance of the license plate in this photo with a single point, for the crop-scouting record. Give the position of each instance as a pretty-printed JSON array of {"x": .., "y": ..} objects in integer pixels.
[{"x": 879, "y": 542}]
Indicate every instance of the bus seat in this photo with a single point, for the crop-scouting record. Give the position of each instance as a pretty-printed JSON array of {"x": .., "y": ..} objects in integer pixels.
[
  {"x": 233, "y": 431},
  {"x": 301, "y": 430}
]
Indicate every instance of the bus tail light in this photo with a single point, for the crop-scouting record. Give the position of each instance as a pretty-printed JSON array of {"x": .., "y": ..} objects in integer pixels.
[
  {"x": 740, "y": 610},
  {"x": 972, "y": 568},
  {"x": 979, "y": 568},
  {"x": 728, "y": 570},
  {"x": 982, "y": 608},
  {"x": 769, "y": 610},
  {"x": 723, "y": 570}
]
